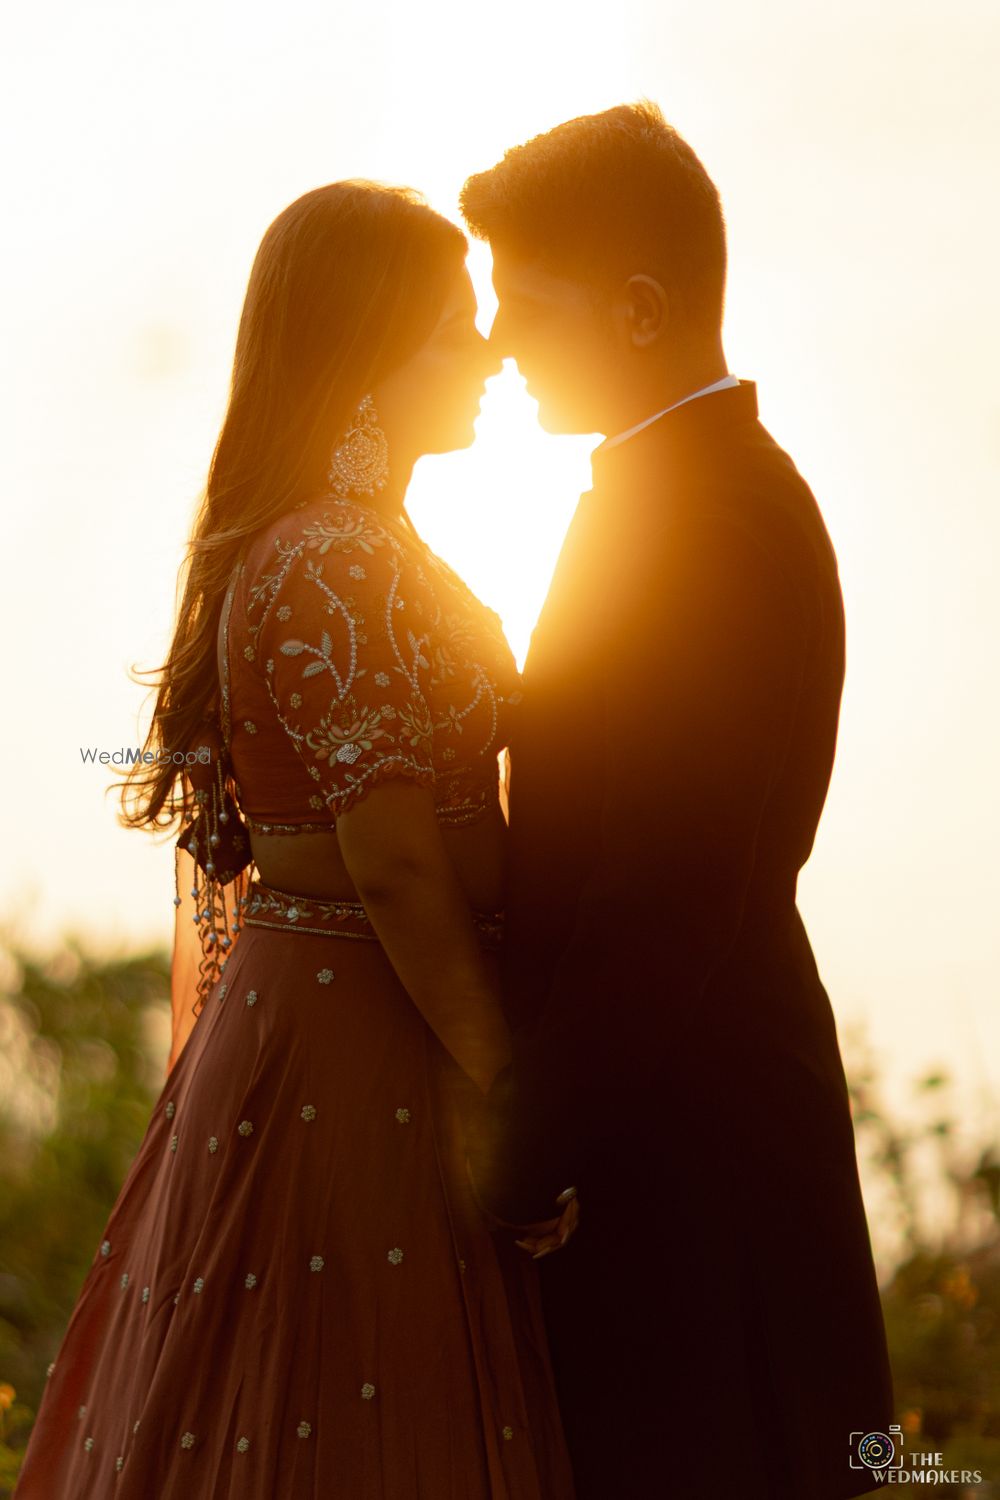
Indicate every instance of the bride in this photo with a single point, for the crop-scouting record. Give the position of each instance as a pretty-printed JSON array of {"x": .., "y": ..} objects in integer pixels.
[{"x": 296, "y": 1292}]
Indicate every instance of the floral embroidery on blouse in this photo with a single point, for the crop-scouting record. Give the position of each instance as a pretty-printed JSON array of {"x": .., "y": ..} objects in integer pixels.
[{"x": 382, "y": 663}]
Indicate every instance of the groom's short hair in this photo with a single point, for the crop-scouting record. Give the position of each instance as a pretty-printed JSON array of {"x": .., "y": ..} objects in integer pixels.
[{"x": 606, "y": 196}]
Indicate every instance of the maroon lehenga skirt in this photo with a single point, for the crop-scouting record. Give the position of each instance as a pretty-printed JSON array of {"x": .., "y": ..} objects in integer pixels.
[{"x": 295, "y": 1296}]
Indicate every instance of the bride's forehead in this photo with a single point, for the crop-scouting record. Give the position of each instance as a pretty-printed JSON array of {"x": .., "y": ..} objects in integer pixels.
[{"x": 460, "y": 301}]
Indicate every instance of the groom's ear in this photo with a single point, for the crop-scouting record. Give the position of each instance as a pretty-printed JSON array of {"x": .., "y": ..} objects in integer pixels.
[{"x": 642, "y": 310}]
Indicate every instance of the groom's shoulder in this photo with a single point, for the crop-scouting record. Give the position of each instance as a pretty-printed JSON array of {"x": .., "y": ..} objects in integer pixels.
[
  {"x": 745, "y": 496},
  {"x": 716, "y": 459},
  {"x": 754, "y": 484}
]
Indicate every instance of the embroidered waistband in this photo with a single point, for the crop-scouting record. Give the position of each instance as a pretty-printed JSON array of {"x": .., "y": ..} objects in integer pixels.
[{"x": 287, "y": 912}]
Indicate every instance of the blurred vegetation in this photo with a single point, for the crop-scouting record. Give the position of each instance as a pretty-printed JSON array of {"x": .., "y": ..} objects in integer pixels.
[
  {"x": 942, "y": 1304},
  {"x": 83, "y": 1048}
]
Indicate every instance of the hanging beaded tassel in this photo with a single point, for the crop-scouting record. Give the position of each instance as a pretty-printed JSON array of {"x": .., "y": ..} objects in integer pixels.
[{"x": 217, "y": 839}]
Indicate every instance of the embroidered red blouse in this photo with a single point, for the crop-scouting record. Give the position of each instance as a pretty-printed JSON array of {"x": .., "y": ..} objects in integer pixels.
[{"x": 349, "y": 652}]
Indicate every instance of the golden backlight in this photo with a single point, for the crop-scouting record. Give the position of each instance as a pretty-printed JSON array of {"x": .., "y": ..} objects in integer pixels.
[{"x": 854, "y": 148}]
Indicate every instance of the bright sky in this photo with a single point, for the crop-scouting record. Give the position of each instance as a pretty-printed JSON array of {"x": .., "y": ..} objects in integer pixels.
[{"x": 855, "y": 150}]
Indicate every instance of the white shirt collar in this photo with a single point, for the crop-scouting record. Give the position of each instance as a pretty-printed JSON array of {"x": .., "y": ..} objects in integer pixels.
[{"x": 724, "y": 384}]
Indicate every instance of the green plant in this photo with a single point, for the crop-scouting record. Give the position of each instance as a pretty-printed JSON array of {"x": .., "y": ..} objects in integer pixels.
[{"x": 83, "y": 1045}]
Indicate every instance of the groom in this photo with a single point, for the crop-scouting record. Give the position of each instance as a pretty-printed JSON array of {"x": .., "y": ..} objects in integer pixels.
[{"x": 714, "y": 1322}]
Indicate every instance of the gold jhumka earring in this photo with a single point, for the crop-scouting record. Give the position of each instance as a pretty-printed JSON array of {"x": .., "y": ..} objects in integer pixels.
[{"x": 360, "y": 462}]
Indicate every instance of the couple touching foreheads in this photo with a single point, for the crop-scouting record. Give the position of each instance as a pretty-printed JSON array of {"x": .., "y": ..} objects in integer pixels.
[{"x": 510, "y": 1153}]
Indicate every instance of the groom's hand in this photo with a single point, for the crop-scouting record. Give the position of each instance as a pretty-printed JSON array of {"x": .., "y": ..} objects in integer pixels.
[
  {"x": 542, "y": 1235},
  {"x": 545, "y": 1234},
  {"x": 551, "y": 1234}
]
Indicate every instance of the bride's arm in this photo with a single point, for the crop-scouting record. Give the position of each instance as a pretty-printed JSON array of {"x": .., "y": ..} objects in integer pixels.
[{"x": 392, "y": 847}]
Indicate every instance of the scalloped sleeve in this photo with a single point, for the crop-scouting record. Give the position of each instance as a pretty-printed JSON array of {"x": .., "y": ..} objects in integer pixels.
[{"x": 348, "y": 636}]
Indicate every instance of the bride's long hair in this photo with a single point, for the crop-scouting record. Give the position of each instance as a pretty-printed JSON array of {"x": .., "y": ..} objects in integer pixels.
[{"x": 348, "y": 282}]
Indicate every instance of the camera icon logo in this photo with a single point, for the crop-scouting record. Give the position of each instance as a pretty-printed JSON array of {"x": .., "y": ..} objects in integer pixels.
[{"x": 877, "y": 1450}]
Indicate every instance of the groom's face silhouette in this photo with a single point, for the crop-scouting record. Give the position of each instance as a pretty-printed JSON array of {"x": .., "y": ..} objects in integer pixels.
[
  {"x": 591, "y": 352},
  {"x": 556, "y": 330}
]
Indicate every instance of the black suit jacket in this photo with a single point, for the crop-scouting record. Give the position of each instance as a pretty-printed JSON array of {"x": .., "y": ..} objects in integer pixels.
[{"x": 675, "y": 1052}]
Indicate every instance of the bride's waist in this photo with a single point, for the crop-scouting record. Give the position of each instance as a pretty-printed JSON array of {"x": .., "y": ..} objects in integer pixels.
[
  {"x": 310, "y": 861},
  {"x": 290, "y": 911}
]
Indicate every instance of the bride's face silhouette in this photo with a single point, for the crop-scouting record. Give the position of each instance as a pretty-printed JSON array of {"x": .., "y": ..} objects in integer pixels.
[{"x": 430, "y": 403}]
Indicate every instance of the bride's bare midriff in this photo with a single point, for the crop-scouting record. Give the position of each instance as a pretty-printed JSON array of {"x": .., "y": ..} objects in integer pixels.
[{"x": 310, "y": 864}]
